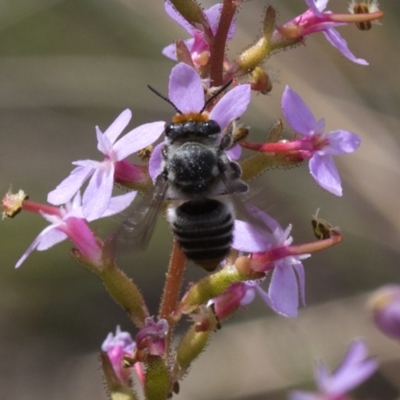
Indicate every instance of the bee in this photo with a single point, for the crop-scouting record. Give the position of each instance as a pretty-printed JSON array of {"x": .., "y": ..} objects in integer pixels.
[{"x": 197, "y": 180}]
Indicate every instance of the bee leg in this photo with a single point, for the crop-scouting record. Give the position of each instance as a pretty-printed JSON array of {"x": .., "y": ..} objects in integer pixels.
[
  {"x": 226, "y": 142},
  {"x": 236, "y": 170}
]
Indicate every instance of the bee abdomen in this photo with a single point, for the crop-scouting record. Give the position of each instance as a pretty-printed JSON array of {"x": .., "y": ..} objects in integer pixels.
[{"x": 204, "y": 230}]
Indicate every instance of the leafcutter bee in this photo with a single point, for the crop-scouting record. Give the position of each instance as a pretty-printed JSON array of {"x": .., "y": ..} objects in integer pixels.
[{"x": 197, "y": 181}]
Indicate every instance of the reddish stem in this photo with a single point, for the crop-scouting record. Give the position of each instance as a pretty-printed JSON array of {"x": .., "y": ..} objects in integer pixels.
[
  {"x": 37, "y": 207},
  {"x": 173, "y": 283},
  {"x": 278, "y": 147},
  {"x": 217, "y": 48}
]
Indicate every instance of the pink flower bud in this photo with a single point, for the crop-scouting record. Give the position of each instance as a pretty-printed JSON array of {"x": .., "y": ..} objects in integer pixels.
[{"x": 385, "y": 305}]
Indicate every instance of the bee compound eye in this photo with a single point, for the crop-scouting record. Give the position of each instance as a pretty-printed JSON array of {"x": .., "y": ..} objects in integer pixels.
[
  {"x": 211, "y": 127},
  {"x": 169, "y": 128}
]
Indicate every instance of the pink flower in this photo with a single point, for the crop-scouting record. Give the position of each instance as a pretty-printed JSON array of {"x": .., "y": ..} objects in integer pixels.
[
  {"x": 117, "y": 347},
  {"x": 322, "y": 147},
  {"x": 152, "y": 337},
  {"x": 97, "y": 195},
  {"x": 68, "y": 222},
  {"x": 287, "y": 280},
  {"x": 198, "y": 44},
  {"x": 315, "y": 20}
]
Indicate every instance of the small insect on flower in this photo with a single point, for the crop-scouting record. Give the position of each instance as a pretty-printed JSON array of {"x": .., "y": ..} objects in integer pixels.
[
  {"x": 366, "y": 7},
  {"x": 195, "y": 169}
]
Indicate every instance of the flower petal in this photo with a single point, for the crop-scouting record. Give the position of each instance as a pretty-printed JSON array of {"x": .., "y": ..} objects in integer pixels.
[
  {"x": 69, "y": 186},
  {"x": 155, "y": 162},
  {"x": 119, "y": 203},
  {"x": 300, "y": 395},
  {"x": 341, "y": 142},
  {"x": 249, "y": 239},
  {"x": 120, "y": 123},
  {"x": 297, "y": 113},
  {"x": 51, "y": 238},
  {"x": 324, "y": 171},
  {"x": 336, "y": 40},
  {"x": 42, "y": 236},
  {"x": 283, "y": 290},
  {"x": 317, "y": 6},
  {"x": 97, "y": 196},
  {"x": 104, "y": 144},
  {"x": 138, "y": 138},
  {"x": 170, "y": 51},
  {"x": 186, "y": 89},
  {"x": 354, "y": 369},
  {"x": 213, "y": 15},
  {"x": 177, "y": 17},
  {"x": 235, "y": 152},
  {"x": 232, "y": 105}
]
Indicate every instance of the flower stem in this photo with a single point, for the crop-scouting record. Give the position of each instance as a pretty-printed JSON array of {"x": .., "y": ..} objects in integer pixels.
[
  {"x": 173, "y": 283},
  {"x": 279, "y": 147},
  {"x": 217, "y": 48}
]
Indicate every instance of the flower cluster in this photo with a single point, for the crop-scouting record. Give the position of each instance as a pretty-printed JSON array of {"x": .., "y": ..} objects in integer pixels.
[{"x": 194, "y": 170}]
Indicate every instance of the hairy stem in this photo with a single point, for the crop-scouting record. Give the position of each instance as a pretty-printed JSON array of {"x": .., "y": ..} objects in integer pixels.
[
  {"x": 217, "y": 49},
  {"x": 173, "y": 283}
]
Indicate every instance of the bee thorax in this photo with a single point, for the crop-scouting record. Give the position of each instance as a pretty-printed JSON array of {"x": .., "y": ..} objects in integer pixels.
[{"x": 192, "y": 168}]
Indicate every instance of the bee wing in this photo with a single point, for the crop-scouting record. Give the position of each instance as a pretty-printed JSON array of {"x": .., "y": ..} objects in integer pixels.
[
  {"x": 136, "y": 230},
  {"x": 233, "y": 189}
]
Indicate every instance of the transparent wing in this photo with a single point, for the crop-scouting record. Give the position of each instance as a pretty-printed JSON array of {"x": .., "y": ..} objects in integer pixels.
[
  {"x": 137, "y": 229},
  {"x": 236, "y": 190}
]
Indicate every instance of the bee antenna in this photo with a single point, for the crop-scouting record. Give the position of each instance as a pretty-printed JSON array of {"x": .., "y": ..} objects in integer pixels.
[
  {"x": 216, "y": 94},
  {"x": 165, "y": 99}
]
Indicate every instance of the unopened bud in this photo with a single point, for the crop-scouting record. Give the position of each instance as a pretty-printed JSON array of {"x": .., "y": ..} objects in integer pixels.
[
  {"x": 192, "y": 12},
  {"x": 261, "y": 82},
  {"x": 385, "y": 306},
  {"x": 191, "y": 345},
  {"x": 256, "y": 54}
]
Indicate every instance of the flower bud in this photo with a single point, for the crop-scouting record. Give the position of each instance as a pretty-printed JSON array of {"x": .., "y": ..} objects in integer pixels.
[
  {"x": 152, "y": 337},
  {"x": 191, "y": 345},
  {"x": 116, "y": 347},
  {"x": 214, "y": 285},
  {"x": 261, "y": 81},
  {"x": 385, "y": 306},
  {"x": 191, "y": 11}
]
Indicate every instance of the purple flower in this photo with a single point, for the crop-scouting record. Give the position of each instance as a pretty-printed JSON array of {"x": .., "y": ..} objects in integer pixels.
[
  {"x": 68, "y": 222},
  {"x": 238, "y": 295},
  {"x": 272, "y": 251},
  {"x": 153, "y": 336},
  {"x": 97, "y": 195},
  {"x": 322, "y": 146},
  {"x": 117, "y": 346},
  {"x": 385, "y": 305},
  {"x": 354, "y": 369},
  {"x": 331, "y": 34},
  {"x": 187, "y": 93},
  {"x": 315, "y": 20},
  {"x": 197, "y": 45}
]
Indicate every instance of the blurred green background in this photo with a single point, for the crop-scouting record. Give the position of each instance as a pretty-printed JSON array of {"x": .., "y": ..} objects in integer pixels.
[{"x": 66, "y": 66}]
